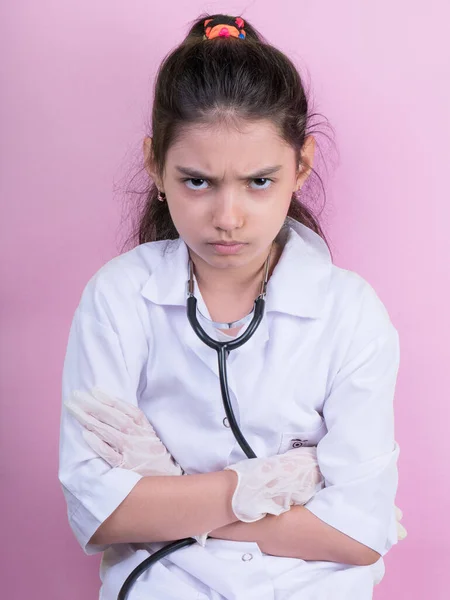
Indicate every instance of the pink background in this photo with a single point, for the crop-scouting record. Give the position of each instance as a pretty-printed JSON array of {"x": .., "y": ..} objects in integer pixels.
[{"x": 76, "y": 80}]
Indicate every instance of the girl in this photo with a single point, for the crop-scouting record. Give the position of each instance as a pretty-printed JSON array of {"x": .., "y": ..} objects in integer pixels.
[{"x": 312, "y": 390}]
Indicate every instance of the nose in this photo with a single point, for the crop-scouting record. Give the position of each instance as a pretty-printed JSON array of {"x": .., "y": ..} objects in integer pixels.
[{"x": 227, "y": 211}]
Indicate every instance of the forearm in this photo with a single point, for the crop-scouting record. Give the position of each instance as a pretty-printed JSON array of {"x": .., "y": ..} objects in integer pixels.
[
  {"x": 170, "y": 508},
  {"x": 298, "y": 533}
]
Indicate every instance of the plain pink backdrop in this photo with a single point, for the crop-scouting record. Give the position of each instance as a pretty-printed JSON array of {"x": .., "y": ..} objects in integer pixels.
[{"x": 76, "y": 80}]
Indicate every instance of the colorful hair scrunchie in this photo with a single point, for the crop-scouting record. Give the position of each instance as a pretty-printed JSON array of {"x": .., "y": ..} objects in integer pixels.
[{"x": 224, "y": 30}]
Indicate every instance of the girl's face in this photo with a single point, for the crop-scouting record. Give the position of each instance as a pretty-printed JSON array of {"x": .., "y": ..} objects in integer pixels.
[{"x": 228, "y": 189}]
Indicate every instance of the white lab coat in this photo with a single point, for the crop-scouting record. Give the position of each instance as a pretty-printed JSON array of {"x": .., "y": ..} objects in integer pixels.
[{"x": 321, "y": 368}]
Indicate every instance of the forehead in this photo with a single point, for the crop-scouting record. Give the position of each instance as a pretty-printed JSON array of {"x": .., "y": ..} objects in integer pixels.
[{"x": 241, "y": 146}]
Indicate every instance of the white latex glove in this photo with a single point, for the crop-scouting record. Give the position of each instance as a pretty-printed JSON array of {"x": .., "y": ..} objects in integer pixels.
[
  {"x": 272, "y": 485},
  {"x": 401, "y": 531},
  {"x": 120, "y": 433}
]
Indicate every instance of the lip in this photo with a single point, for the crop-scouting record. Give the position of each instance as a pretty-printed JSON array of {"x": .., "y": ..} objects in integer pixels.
[
  {"x": 227, "y": 247},
  {"x": 222, "y": 243}
]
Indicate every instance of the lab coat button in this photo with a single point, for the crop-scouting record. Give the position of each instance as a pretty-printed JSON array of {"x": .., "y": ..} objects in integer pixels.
[
  {"x": 226, "y": 422},
  {"x": 246, "y": 557}
]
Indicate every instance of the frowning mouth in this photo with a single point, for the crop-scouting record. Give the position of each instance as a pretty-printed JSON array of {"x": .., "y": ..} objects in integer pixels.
[
  {"x": 221, "y": 243},
  {"x": 227, "y": 247}
]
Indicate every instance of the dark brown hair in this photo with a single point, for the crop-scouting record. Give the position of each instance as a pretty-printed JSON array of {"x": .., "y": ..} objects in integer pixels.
[{"x": 208, "y": 80}]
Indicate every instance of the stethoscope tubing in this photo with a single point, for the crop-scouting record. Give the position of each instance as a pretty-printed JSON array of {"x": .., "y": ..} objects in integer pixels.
[{"x": 223, "y": 349}]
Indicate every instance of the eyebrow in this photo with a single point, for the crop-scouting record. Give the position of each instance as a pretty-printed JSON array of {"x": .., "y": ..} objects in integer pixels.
[{"x": 257, "y": 175}]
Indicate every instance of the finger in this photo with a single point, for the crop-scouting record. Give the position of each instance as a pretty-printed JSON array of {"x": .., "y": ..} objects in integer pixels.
[
  {"x": 201, "y": 539},
  {"x": 126, "y": 408},
  {"x": 401, "y": 531},
  {"x": 308, "y": 452},
  {"x": 104, "y": 413},
  {"x": 108, "y": 434},
  {"x": 102, "y": 449},
  {"x": 74, "y": 407}
]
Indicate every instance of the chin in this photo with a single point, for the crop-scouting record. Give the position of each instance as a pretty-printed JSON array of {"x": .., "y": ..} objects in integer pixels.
[{"x": 223, "y": 262}]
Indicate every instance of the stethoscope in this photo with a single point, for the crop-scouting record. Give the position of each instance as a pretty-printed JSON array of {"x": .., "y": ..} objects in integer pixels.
[{"x": 223, "y": 349}]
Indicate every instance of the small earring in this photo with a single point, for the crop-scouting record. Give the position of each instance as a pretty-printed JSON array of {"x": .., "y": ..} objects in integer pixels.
[{"x": 161, "y": 196}]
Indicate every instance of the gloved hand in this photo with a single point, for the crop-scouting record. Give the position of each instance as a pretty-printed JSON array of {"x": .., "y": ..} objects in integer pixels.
[
  {"x": 272, "y": 485},
  {"x": 120, "y": 433},
  {"x": 401, "y": 531}
]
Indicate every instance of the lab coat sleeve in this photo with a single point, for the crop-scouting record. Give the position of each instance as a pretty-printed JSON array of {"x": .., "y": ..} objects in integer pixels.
[
  {"x": 94, "y": 357},
  {"x": 358, "y": 455}
]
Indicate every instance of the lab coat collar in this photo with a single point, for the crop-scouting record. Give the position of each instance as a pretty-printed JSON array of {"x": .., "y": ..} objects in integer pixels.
[
  {"x": 305, "y": 265},
  {"x": 299, "y": 283},
  {"x": 167, "y": 284}
]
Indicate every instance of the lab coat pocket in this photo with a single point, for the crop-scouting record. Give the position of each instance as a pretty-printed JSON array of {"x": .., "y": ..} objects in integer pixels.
[{"x": 305, "y": 437}]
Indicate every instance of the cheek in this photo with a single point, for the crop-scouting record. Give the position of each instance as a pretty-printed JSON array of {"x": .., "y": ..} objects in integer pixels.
[
  {"x": 270, "y": 209},
  {"x": 187, "y": 217}
]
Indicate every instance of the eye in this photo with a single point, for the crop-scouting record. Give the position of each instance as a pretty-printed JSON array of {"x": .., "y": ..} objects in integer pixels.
[
  {"x": 196, "y": 183},
  {"x": 264, "y": 181}
]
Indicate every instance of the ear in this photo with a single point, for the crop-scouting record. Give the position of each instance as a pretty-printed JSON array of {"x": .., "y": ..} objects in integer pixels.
[
  {"x": 305, "y": 167},
  {"x": 148, "y": 162}
]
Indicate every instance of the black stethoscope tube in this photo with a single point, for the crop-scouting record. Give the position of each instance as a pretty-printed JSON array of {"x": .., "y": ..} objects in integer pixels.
[{"x": 223, "y": 349}]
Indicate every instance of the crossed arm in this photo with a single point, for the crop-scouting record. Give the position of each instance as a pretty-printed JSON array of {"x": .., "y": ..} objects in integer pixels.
[
  {"x": 162, "y": 506},
  {"x": 183, "y": 506},
  {"x": 357, "y": 459},
  {"x": 298, "y": 533}
]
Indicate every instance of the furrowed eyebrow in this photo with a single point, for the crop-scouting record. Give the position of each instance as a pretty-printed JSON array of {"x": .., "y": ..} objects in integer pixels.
[{"x": 258, "y": 175}]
